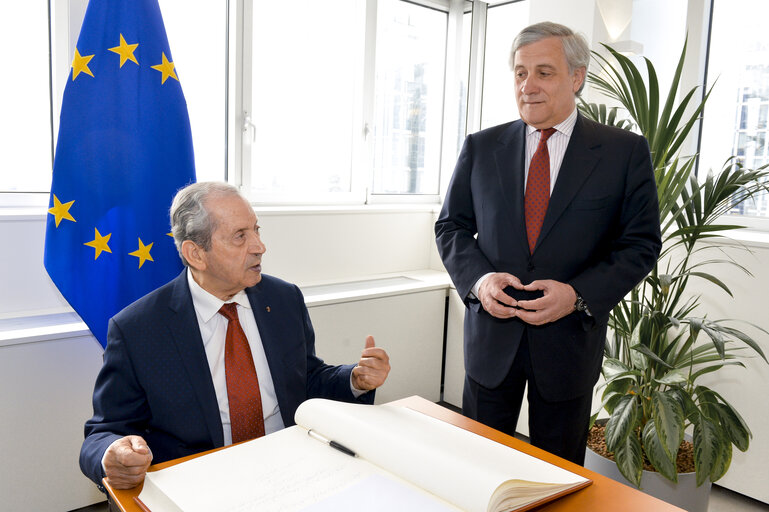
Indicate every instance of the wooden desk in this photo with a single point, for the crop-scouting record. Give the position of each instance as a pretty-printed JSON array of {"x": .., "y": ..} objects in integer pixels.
[{"x": 604, "y": 494}]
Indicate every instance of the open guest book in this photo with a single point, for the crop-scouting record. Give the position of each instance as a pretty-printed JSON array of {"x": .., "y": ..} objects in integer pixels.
[{"x": 402, "y": 460}]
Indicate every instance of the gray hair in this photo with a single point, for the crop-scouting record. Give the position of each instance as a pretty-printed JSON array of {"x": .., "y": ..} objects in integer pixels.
[
  {"x": 574, "y": 45},
  {"x": 190, "y": 220}
]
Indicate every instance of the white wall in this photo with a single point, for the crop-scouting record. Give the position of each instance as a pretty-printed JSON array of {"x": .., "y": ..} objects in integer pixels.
[
  {"x": 26, "y": 288},
  {"x": 334, "y": 244},
  {"x": 409, "y": 326},
  {"x": 744, "y": 388},
  {"x": 45, "y": 397}
]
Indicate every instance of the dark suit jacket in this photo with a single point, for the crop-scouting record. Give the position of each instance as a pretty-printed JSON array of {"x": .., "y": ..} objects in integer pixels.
[
  {"x": 601, "y": 234},
  {"x": 156, "y": 383}
]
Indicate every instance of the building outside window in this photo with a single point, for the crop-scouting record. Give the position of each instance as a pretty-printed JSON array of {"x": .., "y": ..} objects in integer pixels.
[
  {"x": 410, "y": 66},
  {"x": 735, "y": 118}
]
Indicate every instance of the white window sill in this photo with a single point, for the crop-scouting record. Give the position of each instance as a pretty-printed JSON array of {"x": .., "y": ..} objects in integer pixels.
[
  {"x": 371, "y": 287},
  {"x": 33, "y": 329},
  {"x": 749, "y": 237}
]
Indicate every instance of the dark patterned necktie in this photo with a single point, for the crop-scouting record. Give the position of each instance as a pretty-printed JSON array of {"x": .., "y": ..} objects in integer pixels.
[
  {"x": 246, "y": 417},
  {"x": 537, "y": 189}
]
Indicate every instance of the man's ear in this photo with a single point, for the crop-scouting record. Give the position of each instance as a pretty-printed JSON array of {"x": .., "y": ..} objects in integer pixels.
[
  {"x": 194, "y": 254},
  {"x": 579, "y": 78}
]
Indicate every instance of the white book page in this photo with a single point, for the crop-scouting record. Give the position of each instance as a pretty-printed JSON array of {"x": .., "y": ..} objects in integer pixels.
[
  {"x": 459, "y": 466},
  {"x": 381, "y": 493},
  {"x": 286, "y": 471}
]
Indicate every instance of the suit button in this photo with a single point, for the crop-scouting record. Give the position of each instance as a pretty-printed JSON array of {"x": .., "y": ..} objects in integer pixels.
[{"x": 530, "y": 268}]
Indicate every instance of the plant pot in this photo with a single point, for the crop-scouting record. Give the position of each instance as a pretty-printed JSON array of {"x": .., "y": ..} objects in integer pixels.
[{"x": 684, "y": 494}]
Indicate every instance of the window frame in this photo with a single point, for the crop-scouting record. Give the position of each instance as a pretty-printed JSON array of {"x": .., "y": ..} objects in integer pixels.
[{"x": 239, "y": 151}]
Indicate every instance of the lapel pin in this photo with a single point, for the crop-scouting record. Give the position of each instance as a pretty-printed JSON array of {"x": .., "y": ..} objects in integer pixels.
[{"x": 268, "y": 309}]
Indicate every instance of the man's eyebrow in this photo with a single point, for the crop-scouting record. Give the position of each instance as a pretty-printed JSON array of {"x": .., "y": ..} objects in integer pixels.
[{"x": 536, "y": 66}]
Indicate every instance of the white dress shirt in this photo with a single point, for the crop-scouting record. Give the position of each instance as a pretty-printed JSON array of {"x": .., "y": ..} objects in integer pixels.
[
  {"x": 213, "y": 330},
  {"x": 556, "y": 146}
]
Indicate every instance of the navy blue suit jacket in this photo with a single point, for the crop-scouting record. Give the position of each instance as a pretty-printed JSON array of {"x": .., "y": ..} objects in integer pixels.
[
  {"x": 601, "y": 234},
  {"x": 156, "y": 383}
]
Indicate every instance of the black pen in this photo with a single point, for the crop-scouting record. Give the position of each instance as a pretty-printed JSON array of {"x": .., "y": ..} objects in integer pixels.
[{"x": 333, "y": 444}]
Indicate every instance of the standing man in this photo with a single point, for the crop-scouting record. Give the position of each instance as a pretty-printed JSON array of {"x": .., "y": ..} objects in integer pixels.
[
  {"x": 221, "y": 354},
  {"x": 553, "y": 205}
]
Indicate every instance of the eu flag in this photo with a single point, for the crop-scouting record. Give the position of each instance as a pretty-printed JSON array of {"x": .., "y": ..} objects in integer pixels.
[{"x": 124, "y": 149}]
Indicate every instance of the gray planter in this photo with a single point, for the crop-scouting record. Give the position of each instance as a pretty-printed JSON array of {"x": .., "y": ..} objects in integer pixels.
[{"x": 684, "y": 494}]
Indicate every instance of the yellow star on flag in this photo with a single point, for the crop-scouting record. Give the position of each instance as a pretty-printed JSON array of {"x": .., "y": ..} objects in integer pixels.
[
  {"x": 126, "y": 51},
  {"x": 167, "y": 68},
  {"x": 99, "y": 243},
  {"x": 80, "y": 64},
  {"x": 61, "y": 211},
  {"x": 143, "y": 253}
]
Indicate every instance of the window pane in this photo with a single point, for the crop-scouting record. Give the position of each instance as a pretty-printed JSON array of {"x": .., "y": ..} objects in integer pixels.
[
  {"x": 199, "y": 57},
  {"x": 410, "y": 64},
  {"x": 735, "y": 118},
  {"x": 464, "y": 80},
  {"x": 503, "y": 23},
  {"x": 305, "y": 92},
  {"x": 25, "y": 132}
]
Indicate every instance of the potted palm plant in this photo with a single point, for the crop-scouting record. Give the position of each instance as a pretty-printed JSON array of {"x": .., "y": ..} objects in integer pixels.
[{"x": 661, "y": 343}]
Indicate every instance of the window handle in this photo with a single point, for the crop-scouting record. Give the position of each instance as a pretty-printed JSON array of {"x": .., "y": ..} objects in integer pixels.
[{"x": 249, "y": 128}]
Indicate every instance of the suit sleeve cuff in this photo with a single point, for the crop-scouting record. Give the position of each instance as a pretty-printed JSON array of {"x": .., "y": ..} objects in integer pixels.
[{"x": 477, "y": 286}]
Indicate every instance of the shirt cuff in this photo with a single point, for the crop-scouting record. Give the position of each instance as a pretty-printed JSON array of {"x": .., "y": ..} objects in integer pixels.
[
  {"x": 355, "y": 391},
  {"x": 477, "y": 286},
  {"x": 103, "y": 467}
]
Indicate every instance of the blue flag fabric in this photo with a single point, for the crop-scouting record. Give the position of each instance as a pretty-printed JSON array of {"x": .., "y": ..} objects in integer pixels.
[{"x": 124, "y": 149}]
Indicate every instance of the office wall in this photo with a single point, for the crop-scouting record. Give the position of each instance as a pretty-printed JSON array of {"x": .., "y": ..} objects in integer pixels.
[
  {"x": 45, "y": 397},
  {"x": 744, "y": 388}
]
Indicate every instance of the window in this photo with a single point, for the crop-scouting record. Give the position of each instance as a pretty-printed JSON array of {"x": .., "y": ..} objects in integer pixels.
[
  {"x": 351, "y": 103},
  {"x": 410, "y": 62},
  {"x": 307, "y": 61},
  {"x": 503, "y": 22},
  {"x": 25, "y": 132},
  {"x": 300, "y": 102},
  {"x": 735, "y": 118},
  {"x": 200, "y": 58}
]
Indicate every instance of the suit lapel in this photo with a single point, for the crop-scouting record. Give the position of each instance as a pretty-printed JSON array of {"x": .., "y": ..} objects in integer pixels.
[
  {"x": 578, "y": 163},
  {"x": 183, "y": 324},
  {"x": 270, "y": 335},
  {"x": 510, "y": 160}
]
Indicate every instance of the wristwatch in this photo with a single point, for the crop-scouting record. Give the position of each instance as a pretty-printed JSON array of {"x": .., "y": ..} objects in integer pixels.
[{"x": 580, "y": 304}]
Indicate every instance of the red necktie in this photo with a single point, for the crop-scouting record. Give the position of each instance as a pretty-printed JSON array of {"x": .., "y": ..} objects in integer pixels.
[
  {"x": 246, "y": 418},
  {"x": 537, "y": 189}
]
